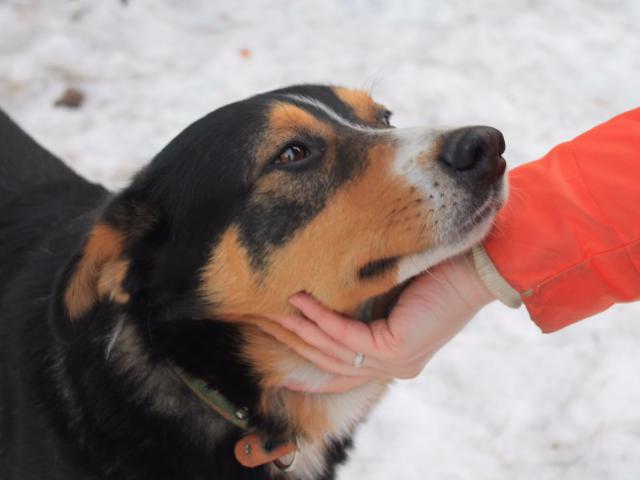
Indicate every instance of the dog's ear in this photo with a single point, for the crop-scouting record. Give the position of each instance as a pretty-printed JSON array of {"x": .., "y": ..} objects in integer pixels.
[{"x": 97, "y": 272}]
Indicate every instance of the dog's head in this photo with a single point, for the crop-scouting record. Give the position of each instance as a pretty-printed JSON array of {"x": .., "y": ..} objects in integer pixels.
[{"x": 307, "y": 188}]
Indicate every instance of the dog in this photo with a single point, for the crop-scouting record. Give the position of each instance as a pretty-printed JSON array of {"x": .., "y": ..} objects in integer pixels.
[{"x": 136, "y": 340}]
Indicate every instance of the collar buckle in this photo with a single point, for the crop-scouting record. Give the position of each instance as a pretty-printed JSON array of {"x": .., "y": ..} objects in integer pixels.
[
  {"x": 248, "y": 450},
  {"x": 250, "y": 453}
]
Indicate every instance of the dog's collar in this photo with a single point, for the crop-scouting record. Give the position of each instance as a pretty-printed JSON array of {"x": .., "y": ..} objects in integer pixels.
[
  {"x": 215, "y": 400},
  {"x": 249, "y": 450}
]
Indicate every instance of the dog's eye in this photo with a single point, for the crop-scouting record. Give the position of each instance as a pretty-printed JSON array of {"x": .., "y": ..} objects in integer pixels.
[
  {"x": 291, "y": 154},
  {"x": 385, "y": 118}
]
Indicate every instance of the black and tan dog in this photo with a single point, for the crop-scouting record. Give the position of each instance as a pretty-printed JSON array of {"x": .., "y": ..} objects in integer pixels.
[{"x": 135, "y": 340}]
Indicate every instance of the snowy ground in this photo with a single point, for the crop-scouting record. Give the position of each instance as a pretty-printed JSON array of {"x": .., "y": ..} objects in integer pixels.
[{"x": 502, "y": 401}]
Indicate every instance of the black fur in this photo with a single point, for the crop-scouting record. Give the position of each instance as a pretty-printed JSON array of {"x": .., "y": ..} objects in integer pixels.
[{"x": 74, "y": 406}]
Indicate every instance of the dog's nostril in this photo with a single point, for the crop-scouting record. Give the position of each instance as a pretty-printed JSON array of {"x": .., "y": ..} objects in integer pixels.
[
  {"x": 474, "y": 148},
  {"x": 463, "y": 155}
]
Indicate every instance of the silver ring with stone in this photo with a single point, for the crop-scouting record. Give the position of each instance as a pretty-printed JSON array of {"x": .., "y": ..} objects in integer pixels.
[{"x": 358, "y": 360}]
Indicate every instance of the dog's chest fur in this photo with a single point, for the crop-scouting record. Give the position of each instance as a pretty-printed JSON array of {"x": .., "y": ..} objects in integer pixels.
[{"x": 340, "y": 411}]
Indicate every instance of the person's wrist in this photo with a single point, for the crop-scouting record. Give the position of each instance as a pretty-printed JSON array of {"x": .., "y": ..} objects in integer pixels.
[
  {"x": 481, "y": 294},
  {"x": 462, "y": 274}
]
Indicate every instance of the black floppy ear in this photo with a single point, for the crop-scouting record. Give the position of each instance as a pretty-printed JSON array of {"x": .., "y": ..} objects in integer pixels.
[{"x": 98, "y": 270}]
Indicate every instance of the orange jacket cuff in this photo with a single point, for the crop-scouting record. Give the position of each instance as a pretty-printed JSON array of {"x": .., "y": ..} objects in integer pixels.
[{"x": 569, "y": 238}]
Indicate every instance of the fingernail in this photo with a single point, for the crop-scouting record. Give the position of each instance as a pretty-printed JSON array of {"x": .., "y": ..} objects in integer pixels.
[{"x": 295, "y": 299}]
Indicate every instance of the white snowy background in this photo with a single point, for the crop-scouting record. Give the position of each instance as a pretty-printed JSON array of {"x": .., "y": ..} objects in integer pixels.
[{"x": 502, "y": 401}]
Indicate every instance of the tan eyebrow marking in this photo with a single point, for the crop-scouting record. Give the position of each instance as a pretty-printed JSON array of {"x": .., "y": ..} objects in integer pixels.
[
  {"x": 332, "y": 114},
  {"x": 361, "y": 103},
  {"x": 286, "y": 116}
]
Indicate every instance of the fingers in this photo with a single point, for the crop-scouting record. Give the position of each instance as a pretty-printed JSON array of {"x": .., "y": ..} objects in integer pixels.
[
  {"x": 310, "y": 333},
  {"x": 316, "y": 345},
  {"x": 314, "y": 336},
  {"x": 355, "y": 335},
  {"x": 334, "y": 366},
  {"x": 384, "y": 352},
  {"x": 331, "y": 340},
  {"x": 321, "y": 349}
]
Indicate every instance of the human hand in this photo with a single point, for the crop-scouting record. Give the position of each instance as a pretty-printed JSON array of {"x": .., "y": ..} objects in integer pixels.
[{"x": 433, "y": 308}]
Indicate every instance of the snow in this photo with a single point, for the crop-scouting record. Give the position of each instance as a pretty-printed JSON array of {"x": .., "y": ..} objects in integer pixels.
[{"x": 502, "y": 401}]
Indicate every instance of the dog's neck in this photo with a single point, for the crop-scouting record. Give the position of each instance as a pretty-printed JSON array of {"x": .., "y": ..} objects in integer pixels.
[
  {"x": 116, "y": 376},
  {"x": 138, "y": 358}
]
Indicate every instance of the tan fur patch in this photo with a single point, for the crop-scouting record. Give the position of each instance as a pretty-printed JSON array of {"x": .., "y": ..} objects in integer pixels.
[
  {"x": 361, "y": 102},
  {"x": 104, "y": 246},
  {"x": 110, "y": 281},
  {"x": 285, "y": 117},
  {"x": 267, "y": 354}
]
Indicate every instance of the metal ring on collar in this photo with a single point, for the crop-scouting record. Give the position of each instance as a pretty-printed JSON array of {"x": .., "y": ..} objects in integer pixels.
[{"x": 284, "y": 464}]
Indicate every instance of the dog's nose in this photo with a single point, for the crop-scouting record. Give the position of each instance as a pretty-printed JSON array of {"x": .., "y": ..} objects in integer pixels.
[{"x": 476, "y": 150}]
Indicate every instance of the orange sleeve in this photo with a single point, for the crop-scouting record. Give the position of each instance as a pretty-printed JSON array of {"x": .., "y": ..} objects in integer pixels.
[{"x": 568, "y": 239}]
